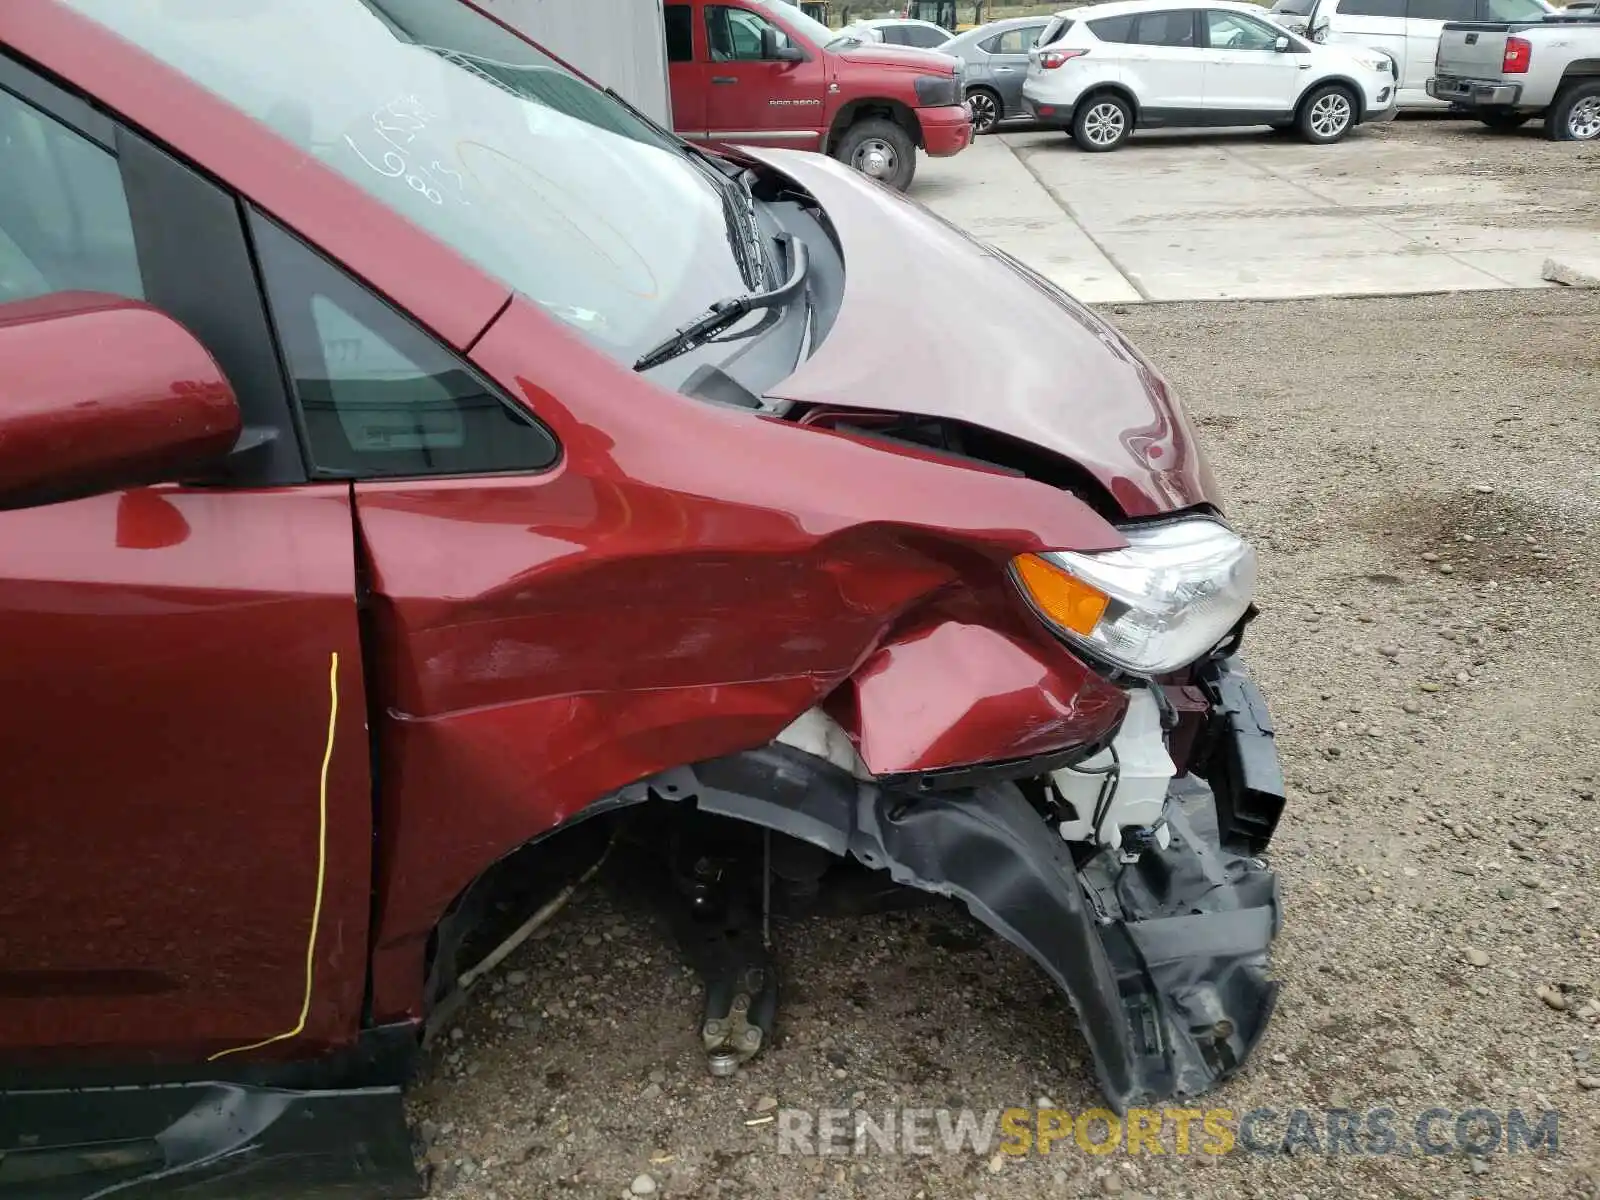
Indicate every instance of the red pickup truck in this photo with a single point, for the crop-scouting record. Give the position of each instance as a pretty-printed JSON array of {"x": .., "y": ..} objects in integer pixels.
[{"x": 761, "y": 72}]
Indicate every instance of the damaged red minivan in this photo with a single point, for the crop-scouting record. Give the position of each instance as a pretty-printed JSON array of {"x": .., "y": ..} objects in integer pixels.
[{"x": 415, "y": 461}]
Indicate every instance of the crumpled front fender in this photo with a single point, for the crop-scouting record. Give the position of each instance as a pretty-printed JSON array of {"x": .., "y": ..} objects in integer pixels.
[{"x": 949, "y": 694}]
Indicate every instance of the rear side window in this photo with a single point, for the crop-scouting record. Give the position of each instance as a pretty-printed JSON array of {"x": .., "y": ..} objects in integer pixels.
[
  {"x": 1018, "y": 41},
  {"x": 894, "y": 35},
  {"x": 1373, "y": 8},
  {"x": 1442, "y": 10},
  {"x": 1511, "y": 10},
  {"x": 925, "y": 38},
  {"x": 378, "y": 396},
  {"x": 1111, "y": 29},
  {"x": 1164, "y": 29},
  {"x": 679, "y": 22}
]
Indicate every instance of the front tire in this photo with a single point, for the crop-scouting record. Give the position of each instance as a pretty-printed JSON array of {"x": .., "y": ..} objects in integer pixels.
[
  {"x": 1327, "y": 114},
  {"x": 986, "y": 109},
  {"x": 1102, "y": 123},
  {"x": 880, "y": 150},
  {"x": 1502, "y": 122},
  {"x": 1575, "y": 115}
]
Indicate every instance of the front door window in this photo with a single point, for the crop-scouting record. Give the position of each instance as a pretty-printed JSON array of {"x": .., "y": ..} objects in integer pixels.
[
  {"x": 735, "y": 34},
  {"x": 1233, "y": 31},
  {"x": 64, "y": 222}
]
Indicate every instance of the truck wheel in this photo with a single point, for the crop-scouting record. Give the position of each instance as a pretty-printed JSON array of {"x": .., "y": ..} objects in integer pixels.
[
  {"x": 1503, "y": 121},
  {"x": 986, "y": 109},
  {"x": 1575, "y": 116},
  {"x": 1327, "y": 114},
  {"x": 1101, "y": 123},
  {"x": 880, "y": 149}
]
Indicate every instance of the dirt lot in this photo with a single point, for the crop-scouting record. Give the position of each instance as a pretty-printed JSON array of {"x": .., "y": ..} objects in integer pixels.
[
  {"x": 1422, "y": 204},
  {"x": 1421, "y": 477},
  {"x": 1562, "y": 183}
]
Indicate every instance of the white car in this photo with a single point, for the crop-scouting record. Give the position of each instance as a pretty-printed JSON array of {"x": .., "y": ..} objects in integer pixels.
[
  {"x": 900, "y": 31},
  {"x": 1106, "y": 70},
  {"x": 1406, "y": 30}
]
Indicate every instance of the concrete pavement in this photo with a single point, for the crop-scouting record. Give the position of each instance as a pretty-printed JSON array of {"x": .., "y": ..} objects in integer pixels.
[{"x": 1251, "y": 215}]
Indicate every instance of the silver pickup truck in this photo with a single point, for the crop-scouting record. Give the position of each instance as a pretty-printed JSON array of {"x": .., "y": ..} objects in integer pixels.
[{"x": 1508, "y": 73}]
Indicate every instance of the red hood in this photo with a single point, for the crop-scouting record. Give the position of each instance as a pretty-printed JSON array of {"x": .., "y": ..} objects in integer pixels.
[
  {"x": 1036, "y": 365},
  {"x": 878, "y": 54}
]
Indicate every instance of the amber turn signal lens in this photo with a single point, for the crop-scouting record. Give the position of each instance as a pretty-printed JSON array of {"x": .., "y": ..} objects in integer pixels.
[{"x": 1065, "y": 599}]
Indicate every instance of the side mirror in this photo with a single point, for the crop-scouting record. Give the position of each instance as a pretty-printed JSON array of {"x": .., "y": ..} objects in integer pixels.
[
  {"x": 775, "y": 51},
  {"x": 102, "y": 394},
  {"x": 1281, "y": 45}
]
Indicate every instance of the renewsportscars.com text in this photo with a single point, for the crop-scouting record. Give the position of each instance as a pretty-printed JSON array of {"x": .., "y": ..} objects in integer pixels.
[{"x": 1176, "y": 1131}]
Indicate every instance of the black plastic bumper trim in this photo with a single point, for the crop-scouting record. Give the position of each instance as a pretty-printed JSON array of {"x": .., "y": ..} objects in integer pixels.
[
  {"x": 1241, "y": 758},
  {"x": 1164, "y": 962}
]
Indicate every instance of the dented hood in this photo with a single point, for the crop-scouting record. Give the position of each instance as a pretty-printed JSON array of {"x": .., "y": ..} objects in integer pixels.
[{"x": 936, "y": 324}]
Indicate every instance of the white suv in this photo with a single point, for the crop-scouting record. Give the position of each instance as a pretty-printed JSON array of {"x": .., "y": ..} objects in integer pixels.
[{"x": 1105, "y": 70}]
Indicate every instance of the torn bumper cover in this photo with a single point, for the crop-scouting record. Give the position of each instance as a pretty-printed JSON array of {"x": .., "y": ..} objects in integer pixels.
[{"x": 1164, "y": 959}]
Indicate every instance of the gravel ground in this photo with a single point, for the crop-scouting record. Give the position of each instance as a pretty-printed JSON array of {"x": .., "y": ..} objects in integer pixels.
[
  {"x": 1560, "y": 178},
  {"x": 1421, "y": 478}
]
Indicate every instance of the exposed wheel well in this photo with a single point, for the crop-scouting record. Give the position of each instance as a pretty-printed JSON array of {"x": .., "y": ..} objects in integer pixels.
[
  {"x": 1110, "y": 89},
  {"x": 1357, "y": 96},
  {"x": 861, "y": 110},
  {"x": 1582, "y": 68},
  {"x": 489, "y": 907}
]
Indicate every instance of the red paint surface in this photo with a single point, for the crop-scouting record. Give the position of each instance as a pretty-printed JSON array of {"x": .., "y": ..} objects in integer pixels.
[
  {"x": 945, "y": 131},
  {"x": 684, "y": 583},
  {"x": 100, "y": 392},
  {"x": 678, "y": 588},
  {"x": 164, "y": 674},
  {"x": 949, "y": 694}
]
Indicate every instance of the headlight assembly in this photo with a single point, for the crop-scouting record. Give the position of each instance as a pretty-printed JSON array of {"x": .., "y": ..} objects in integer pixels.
[
  {"x": 938, "y": 91},
  {"x": 1159, "y": 604}
]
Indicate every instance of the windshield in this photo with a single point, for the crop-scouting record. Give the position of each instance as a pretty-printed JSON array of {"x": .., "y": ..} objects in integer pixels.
[
  {"x": 798, "y": 22},
  {"x": 1516, "y": 10},
  {"x": 1293, "y": 8},
  {"x": 474, "y": 135}
]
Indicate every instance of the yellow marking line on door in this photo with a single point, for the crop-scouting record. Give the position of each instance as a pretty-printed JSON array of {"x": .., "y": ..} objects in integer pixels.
[{"x": 322, "y": 871}]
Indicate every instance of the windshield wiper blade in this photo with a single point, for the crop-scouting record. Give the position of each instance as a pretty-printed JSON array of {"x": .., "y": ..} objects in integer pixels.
[
  {"x": 752, "y": 224},
  {"x": 744, "y": 232},
  {"x": 738, "y": 198},
  {"x": 725, "y": 312}
]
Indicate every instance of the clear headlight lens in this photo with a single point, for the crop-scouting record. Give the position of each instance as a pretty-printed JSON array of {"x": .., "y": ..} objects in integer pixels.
[{"x": 1159, "y": 604}]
